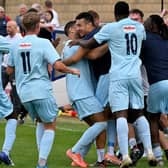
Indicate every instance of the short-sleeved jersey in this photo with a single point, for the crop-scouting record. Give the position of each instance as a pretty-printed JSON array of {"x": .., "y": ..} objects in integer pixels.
[
  {"x": 155, "y": 56},
  {"x": 4, "y": 48},
  {"x": 78, "y": 88},
  {"x": 5, "y": 104},
  {"x": 30, "y": 57},
  {"x": 124, "y": 39}
]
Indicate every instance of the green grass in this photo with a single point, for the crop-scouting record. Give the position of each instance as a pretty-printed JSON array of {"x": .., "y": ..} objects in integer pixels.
[{"x": 24, "y": 152}]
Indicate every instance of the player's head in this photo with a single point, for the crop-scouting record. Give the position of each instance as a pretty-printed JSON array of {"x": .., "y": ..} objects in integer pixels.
[
  {"x": 155, "y": 24},
  {"x": 136, "y": 14},
  {"x": 121, "y": 10},
  {"x": 31, "y": 22},
  {"x": 48, "y": 3},
  {"x": 12, "y": 28},
  {"x": 85, "y": 23},
  {"x": 96, "y": 17},
  {"x": 70, "y": 30},
  {"x": 68, "y": 26}
]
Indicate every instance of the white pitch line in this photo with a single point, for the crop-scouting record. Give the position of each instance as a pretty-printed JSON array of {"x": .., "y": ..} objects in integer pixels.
[{"x": 59, "y": 128}]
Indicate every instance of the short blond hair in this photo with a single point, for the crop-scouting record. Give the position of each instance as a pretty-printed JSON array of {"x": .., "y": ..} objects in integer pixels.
[
  {"x": 2, "y": 9},
  {"x": 30, "y": 21}
]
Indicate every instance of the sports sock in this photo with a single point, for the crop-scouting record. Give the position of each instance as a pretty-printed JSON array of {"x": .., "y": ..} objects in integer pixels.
[
  {"x": 10, "y": 135},
  {"x": 89, "y": 136},
  {"x": 45, "y": 146},
  {"x": 100, "y": 155},
  {"x": 157, "y": 151},
  {"x": 122, "y": 135},
  {"x": 39, "y": 133},
  {"x": 83, "y": 152},
  {"x": 143, "y": 130},
  {"x": 111, "y": 136},
  {"x": 132, "y": 143}
]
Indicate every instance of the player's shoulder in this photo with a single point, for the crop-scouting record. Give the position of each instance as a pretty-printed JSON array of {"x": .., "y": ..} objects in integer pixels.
[
  {"x": 71, "y": 49},
  {"x": 43, "y": 40}
]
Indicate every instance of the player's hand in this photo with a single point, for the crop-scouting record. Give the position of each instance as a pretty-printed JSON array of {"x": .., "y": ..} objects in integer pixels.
[
  {"x": 76, "y": 72},
  {"x": 56, "y": 42},
  {"x": 73, "y": 42},
  {"x": 164, "y": 12}
]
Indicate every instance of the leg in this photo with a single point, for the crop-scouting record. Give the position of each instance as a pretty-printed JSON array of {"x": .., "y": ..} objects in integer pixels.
[
  {"x": 136, "y": 153},
  {"x": 122, "y": 136},
  {"x": 101, "y": 138},
  {"x": 154, "y": 128},
  {"x": 87, "y": 139},
  {"x": 46, "y": 142},
  {"x": 10, "y": 135},
  {"x": 111, "y": 141},
  {"x": 39, "y": 132},
  {"x": 164, "y": 123},
  {"x": 163, "y": 143}
]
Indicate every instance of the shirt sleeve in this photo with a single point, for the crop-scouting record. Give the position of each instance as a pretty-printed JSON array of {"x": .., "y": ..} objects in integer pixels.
[
  {"x": 103, "y": 34},
  {"x": 4, "y": 45},
  {"x": 50, "y": 53},
  {"x": 10, "y": 61},
  {"x": 144, "y": 32}
]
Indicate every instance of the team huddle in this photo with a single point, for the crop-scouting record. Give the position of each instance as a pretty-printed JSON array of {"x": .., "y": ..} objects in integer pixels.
[{"x": 116, "y": 81}]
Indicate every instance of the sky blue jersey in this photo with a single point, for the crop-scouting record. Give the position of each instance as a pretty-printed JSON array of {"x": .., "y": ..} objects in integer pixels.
[
  {"x": 124, "y": 40},
  {"x": 4, "y": 48},
  {"x": 30, "y": 57},
  {"x": 5, "y": 104},
  {"x": 78, "y": 88}
]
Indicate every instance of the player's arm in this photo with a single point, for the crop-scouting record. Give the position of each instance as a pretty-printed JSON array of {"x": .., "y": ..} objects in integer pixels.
[
  {"x": 4, "y": 45},
  {"x": 164, "y": 13},
  {"x": 10, "y": 70},
  {"x": 60, "y": 66},
  {"x": 81, "y": 52},
  {"x": 97, "y": 52},
  {"x": 84, "y": 52},
  {"x": 84, "y": 43}
]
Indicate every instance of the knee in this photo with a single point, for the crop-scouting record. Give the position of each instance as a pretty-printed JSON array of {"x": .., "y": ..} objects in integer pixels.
[
  {"x": 13, "y": 115},
  {"x": 102, "y": 125}
]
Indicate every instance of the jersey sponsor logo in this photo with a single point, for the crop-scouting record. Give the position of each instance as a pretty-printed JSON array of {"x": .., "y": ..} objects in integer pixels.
[
  {"x": 25, "y": 45},
  {"x": 129, "y": 28}
]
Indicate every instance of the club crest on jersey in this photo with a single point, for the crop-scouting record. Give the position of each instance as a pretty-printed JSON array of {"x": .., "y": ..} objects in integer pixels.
[
  {"x": 25, "y": 45},
  {"x": 129, "y": 28}
]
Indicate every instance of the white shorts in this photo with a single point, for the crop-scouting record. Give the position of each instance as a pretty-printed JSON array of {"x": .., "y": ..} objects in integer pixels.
[
  {"x": 6, "y": 107},
  {"x": 125, "y": 94},
  {"x": 45, "y": 109},
  {"x": 87, "y": 106},
  {"x": 158, "y": 97},
  {"x": 102, "y": 89}
]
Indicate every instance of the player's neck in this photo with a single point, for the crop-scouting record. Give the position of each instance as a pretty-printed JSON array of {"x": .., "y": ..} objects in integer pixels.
[
  {"x": 118, "y": 18},
  {"x": 31, "y": 33}
]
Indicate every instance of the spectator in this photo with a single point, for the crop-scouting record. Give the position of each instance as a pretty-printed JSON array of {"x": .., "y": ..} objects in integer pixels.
[
  {"x": 49, "y": 6},
  {"x": 96, "y": 17},
  {"x": 22, "y": 11},
  {"x": 3, "y": 21}
]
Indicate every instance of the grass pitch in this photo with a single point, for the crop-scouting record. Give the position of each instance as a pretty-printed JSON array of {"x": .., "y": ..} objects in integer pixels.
[{"x": 24, "y": 153}]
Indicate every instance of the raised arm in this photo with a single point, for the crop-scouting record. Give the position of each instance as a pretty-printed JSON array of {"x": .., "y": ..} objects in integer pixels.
[
  {"x": 88, "y": 53},
  {"x": 97, "y": 52},
  {"x": 84, "y": 43},
  {"x": 81, "y": 52},
  {"x": 60, "y": 66}
]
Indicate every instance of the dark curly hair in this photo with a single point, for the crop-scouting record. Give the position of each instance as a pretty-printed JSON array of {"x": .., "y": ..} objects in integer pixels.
[{"x": 155, "y": 24}]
